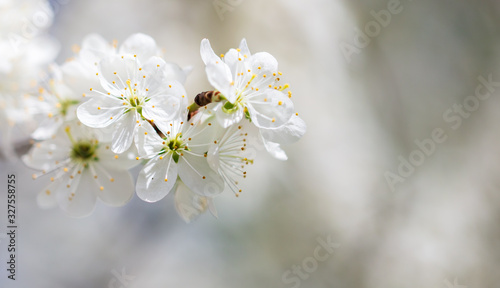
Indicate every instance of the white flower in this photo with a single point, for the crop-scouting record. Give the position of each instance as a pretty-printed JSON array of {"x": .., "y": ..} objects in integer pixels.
[
  {"x": 54, "y": 106},
  {"x": 21, "y": 64},
  {"x": 229, "y": 156},
  {"x": 84, "y": 170},
  {"x": 135, "y": 93},
  {"x": 190, "y": 205},
  {"x": 178, "y": 152},
  {"x": 249, "y": 86},
  {"x": 95, "y": 48}
]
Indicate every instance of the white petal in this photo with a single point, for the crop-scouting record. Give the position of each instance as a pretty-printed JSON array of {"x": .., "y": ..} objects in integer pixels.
[
  {"x": 188, "y": 204},
  {"x": 148, "y": 142},
  {"x": 45, "y": 155},
  {"x": 79, "y": 199},
  {"x": 173, "y": 72},
  {"x": 270, "y": 109},
  {"x": 289, "y": 133},
  {"x": 275, "y": 150},
  {"x": 117, "y": 69},
  {"x": 123, "y": 135},
  {"x": 228, "y": 119},
  {"x": 207, "y": 53},
  {"x": 156, "y": 179},
  {"x": 244, "y": 48},
  {"x": 220, "y": 77},
  {"x": 110, "y": 160},
  {"x": 139, "y": 44},
  {"x": 192, "y": 169},
  {"x": 94, "y": 48},
  {"x": 47, "y": 128},
  {"x": 213, "y": 157},
  {"x": 118, "y": 191},
  {"x": 155, "y": 71},
  {"x": 266, "y": 62},
  {"x": 100, "y": 112},
  {"x": 46, "y": 198}
]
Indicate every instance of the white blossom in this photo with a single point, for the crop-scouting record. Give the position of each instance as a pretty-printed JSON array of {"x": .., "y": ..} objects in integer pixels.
[{"x": 82, "y": 169}]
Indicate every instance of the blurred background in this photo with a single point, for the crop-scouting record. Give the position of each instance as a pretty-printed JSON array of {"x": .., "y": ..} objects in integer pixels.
[{"x": 369, "y": 78}]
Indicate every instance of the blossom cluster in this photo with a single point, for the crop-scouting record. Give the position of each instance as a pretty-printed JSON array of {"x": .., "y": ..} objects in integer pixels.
[
  {"x": 26, "y": 50},
  {"x": 112, "y": 107}
]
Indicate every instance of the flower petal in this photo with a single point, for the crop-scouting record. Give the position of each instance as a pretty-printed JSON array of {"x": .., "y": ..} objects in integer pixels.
[
  {"x": 100, "y": 112},
  {"x": 156, "y": 179},
  {"x": 207, "y": 53},
  {"x": 77, "y": 200},
  {"x": 46, "y": 198},
  {"x": 244, "y": 48},
  {"x": 123, "y": 135},
  {"x": 47, "y": 128},
  {"x": 228, "y": 119},
  {"x": 195, "y": 172},
  {"x": 118, "y": 70},
  {"x": 110, "y": 160},
  {"x": 118, "y": 189},
  {"x": 148, "y": 142},
  {"x": 139, "y": 44},
  {"x": 270, "y": 109},
  {"x": 188, "y": 204},
  {"x": 220, "y": 77},
  {"x": 275, "y": 150},
  {"x": 289, "y": 133},
  {"x": 94, "y": 48}
]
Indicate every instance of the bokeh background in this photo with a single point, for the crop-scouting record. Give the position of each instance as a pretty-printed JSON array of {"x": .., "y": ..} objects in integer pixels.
[{"x": 439, "y": 228}]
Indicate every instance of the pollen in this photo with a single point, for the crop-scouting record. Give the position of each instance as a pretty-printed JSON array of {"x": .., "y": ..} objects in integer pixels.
[
  {"x": 136, "y": 158},
  {"x": 90, "y": 89},
  {"x": 47, "y": 192},
  {"x": 112, "y": 179},
  {"x": 166, "y": 179},
  {"x": 280, "y": 102},
  {"x": 50, "y": 115},
  {"x": 101, "y": 188},
  {"x": 273, "y": 120},
  {"x": 221, "y": 55},
  {"x": 116, "y": 156},
  {"x": 145, "y": 133},
  {"x": 204, "y": 177},
  {"x": 98, "y": 108},
  {"x": 51, "y": 179},
  {"x": 65, "y": 169}
]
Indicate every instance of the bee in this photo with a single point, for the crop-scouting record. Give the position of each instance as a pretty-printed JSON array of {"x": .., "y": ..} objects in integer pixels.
[
  {"x": 207, "y": 97},
  {"x": 203, "y": 99}
]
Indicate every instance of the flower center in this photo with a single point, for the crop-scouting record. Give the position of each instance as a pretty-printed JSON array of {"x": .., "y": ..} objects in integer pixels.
[
  {"x": 84, "y": 151},
  {"x": 175, "y": 146},
  {"x": 65, "y": 104},
  {"x": 135, "y": 101}
]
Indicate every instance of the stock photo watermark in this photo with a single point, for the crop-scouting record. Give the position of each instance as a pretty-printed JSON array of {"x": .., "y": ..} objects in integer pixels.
[
  {"x": 453, "y": 116},
  {"x": 120, "y": 280},
  {"x": 223, "y": 6},
  {"x": 40, "y": 20},
  {"x": 372, "y": 29},
  {"x": 454, "y": 284},
  {"x": 309, "y": 265}
]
